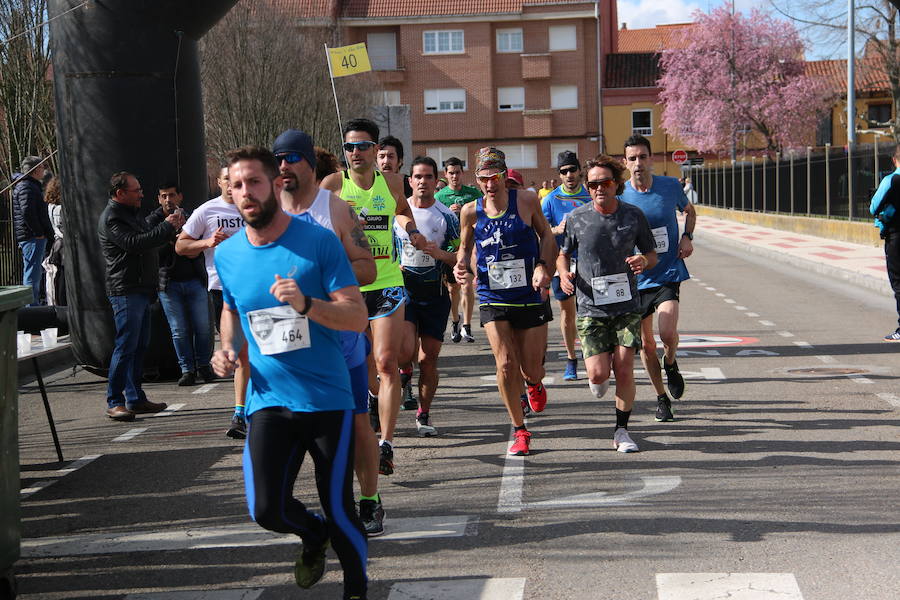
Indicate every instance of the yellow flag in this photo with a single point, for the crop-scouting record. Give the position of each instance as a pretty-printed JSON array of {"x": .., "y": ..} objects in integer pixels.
[{"x": 349, "y": 60}]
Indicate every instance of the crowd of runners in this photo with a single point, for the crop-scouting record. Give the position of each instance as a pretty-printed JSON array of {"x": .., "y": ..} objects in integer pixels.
[{"x": 311, "y": 267}]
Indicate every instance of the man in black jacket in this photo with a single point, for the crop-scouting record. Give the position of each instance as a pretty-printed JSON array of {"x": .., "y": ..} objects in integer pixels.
[
  {"x": 132, "y": 274},
  {"x": 31, "y": 221},
  {"x": 182, "y": 293}
]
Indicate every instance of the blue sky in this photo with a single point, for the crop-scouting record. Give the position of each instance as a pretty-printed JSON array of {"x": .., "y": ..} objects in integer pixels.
[{"x": 649, "y": 13}]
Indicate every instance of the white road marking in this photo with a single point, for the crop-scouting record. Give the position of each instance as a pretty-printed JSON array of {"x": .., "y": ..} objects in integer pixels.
[
  {"x": 785, "y": 334},
  {"x": 729, "y": 301},
  {"x": 803, "y": 344},
  {"x": 653, "y": 485},
  {"x": 720, "y": 294},
  {"x": 740, "y": 308},
  {"x": 492, "y": 380},
  {"x": 708, "y": 373},
  {"x": 168, "y": 412},
  {"x": 767, "y": 323},
  {"x": 891, "y": 399},
  {"x": 205, "y": 388},
  {"x": 828, "y": 360},
  {"x": 752, "y": 314},
  {"x": 711, "y": 289},
  {"x": 249, "y": 594},
  {"x": 860, "y": 379},
  {"x": 511, "y": 483},
  {"x": 460, "y": 589},
  {"x": 73, "y": 466},
  {"x": 227, "y": 536},
  {"x": 735, "y": 586},
  {"x": 133, "y": 433}
]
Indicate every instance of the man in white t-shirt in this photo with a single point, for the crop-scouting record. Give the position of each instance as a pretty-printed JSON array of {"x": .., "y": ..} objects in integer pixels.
[{"x": 210, "y": 224}]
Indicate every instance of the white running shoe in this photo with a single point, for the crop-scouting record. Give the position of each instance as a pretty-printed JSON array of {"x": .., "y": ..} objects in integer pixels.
[
  {"x": 623, "y": 442},
  {"x": 599, "y": 389},
  {"x": 423, "y": 425}
]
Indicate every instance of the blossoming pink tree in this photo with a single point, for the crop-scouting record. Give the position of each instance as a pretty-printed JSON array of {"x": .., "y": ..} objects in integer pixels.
[{"x": 737, "y": 75}]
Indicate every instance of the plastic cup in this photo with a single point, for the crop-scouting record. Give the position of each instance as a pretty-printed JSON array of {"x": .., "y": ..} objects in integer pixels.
[
  {"x": 23, "y": 342},
  {"x": 48, "y": 337}
]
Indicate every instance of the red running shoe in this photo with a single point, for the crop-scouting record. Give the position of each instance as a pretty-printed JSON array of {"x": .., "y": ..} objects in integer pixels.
[
  {"x": 520, "y": 446},
  {"x": 537, "y": 397}
]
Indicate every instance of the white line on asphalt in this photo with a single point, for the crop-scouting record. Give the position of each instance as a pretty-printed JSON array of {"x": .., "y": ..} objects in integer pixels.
[
  {"x": 740, "y": 586},
  {"x": 133, "y": 433},
  {"x": 204, "y": 388},
  {"x": 891, "y": 399},
  {"x": 168, "y": 412},
  {"x": 653, "y": 485},
  {"x": 803, "y": 344},
  {"x": 729, "y": 301},
  {"x": 227, "y": 536},
  {"x": 861, "y": 379},
  {"x": 73, "y": 466},
  {"x": 785, "y": 334},
  {"x": 460, "y": 589},
  {"x": 492, "y": 380},
  {"x": 707, "y": 373},
  {"x": 248, "y": 594},
  {"x": 511, "y": 483},
  {"x": 740, "y": 308},
  {"x": 752, "y": 314},
  {"x": 720, "y": 294},
  {"x": 767, "y": 323},
  {"x": 830, "y": 360}
]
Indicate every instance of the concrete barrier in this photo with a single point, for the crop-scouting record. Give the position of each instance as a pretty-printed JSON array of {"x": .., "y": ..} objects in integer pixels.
[{"x": 856, "y": 232}]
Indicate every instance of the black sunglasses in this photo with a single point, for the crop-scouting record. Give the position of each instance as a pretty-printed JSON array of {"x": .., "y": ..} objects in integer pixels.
[
  {"x": 289, "y": 157},
  {"x": 604, "y": 182},
  {"x": 569, "y": 170},
  {"x": 361, "y": 146}
]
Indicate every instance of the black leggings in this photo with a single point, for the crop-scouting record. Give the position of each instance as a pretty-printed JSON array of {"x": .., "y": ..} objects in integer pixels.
[{"x": 277, "y": 441}]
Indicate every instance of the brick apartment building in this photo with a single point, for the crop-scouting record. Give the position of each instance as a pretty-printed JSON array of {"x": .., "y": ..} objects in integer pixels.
[{"x": 518, "y": 74}]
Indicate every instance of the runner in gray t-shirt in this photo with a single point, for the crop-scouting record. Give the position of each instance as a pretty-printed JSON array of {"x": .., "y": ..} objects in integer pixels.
[{"x": 605, "y": 234}]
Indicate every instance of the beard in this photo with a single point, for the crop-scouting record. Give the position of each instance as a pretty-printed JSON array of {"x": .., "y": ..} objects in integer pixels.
[{"x": 267, "y": 211}]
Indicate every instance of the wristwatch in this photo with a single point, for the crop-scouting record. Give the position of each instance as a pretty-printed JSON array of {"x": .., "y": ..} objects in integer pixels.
[{"x": 688, "y": 235}]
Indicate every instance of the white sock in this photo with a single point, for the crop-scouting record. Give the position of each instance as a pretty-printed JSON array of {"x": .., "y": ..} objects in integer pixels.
[{"x": 386, "y": 442}]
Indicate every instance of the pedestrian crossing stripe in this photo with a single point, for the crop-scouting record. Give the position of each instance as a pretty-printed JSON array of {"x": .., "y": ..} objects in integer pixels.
[
  {"x": 734, "y": 586},
  {"x": 460, "y": 589}
]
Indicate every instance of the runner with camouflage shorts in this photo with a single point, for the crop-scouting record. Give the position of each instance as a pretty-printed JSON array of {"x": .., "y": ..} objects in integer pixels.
[{"x": 604, "y": 233}]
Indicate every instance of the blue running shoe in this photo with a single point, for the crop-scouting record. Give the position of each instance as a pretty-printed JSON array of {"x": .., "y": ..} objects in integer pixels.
[{"x": 571, "y": 373}]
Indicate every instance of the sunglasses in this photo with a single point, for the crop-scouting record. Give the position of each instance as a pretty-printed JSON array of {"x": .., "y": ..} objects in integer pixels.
[
  {"x": 597, "y": 183},
  {"x": 289, "y": 157},
  {"x": 569, "y": 170},
  {"x": 496, "y": 177},
  {"x": 361, "y": 146}
]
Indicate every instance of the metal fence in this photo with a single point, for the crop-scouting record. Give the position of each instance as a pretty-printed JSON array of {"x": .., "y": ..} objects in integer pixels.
[
  {"x": 822, "y": 182},
  {"x": 10, "y": 257}
]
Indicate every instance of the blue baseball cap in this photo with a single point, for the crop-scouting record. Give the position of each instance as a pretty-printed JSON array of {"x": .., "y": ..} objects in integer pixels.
[{"x": 294, "y": 140}]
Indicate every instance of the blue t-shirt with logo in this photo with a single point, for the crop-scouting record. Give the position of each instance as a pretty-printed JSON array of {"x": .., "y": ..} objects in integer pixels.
[
  {"x": 558, "y": 203},
  {"x": 309, "y": 379},
  {"x": 659, "y": 205}
]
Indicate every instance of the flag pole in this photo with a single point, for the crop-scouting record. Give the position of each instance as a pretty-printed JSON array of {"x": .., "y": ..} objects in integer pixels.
[{"x": 337, "y": 107}]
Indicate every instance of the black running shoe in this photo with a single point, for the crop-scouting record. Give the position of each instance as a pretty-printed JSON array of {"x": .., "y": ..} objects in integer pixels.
[
  {"x": 371, "y": 513},
  {"x": 386, "y": 462},
  {"x": 456, "y": 336},
  {"x": 526, "y": 409},
  {"x": 310, "y": 564},
  {"x": 674, "y": 380},
  {"x": 238, "y": 429},
  {"x": 409, "y": 401},
  {"x": 373, "y": 413},
  {"x": 664, "y": 409}
]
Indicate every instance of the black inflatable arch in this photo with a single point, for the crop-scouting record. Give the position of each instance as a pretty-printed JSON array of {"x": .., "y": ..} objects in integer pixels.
[{"x": 127, "y": 85}]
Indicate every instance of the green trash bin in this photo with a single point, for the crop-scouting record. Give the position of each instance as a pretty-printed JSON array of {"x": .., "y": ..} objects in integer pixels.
[{"x": 11, "y": 299}]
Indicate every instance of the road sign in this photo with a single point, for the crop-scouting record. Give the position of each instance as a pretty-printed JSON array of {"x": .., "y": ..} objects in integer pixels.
[{"x": 679, "y": 157}]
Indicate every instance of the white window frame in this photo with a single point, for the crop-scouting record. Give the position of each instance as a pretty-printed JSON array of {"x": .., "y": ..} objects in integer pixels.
[
  {"x": 437, "y": 35},
  {"x": 510, "y": 99},
  {"x": 555, "y": 149},
  {"x": 645, "y": 131},
  {"x": 560, "y": 96},
  {"x": 564, "y": 39},
  {"x": 442, "y": 153},
  {"x": 451, "y": 100},
  {"x": 520, "y": 156},
  {"x": 509, "y": 35}
]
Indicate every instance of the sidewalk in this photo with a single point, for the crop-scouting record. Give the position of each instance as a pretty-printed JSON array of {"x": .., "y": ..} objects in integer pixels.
[{"x": 863, "y": 266}]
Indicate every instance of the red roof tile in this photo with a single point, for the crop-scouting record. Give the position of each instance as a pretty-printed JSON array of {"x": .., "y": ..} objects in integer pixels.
[
  {"x": 870, "y": 74},
  {"x": 631, "y": 70},
  {"x": 657, "y": 39},
  {"x": 404, "y": 8}
]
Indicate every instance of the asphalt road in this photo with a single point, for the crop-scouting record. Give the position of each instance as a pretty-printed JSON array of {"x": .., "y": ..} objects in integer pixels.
[{"x": 779, "y": 478}]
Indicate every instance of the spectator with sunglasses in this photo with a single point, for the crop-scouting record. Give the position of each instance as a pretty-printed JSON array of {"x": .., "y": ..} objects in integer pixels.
[
  {"x": 605, "y": 233},
  {"x": 378, "y": 199},
  {"x": 556, "y": 207}
]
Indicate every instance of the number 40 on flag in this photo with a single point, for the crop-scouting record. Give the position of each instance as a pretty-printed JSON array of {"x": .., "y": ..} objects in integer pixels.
[{"x": 349, "y": 60}]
